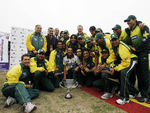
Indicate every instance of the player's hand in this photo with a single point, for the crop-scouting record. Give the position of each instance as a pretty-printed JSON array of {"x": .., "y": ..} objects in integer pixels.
[
  {"x": 51, "y": 49},
  {"x": 46, "y": 72},
  {"x": 28, "y": 86},
  {"x": 112, "y": 71},
  {"x": 102, "y": 66},
  {"x": 87, "y": 70},
  {"x": 76, "y": 69},
  {"x": 141, "y": 26},
  {"x": 56, "y": 69},
  {"x": 133, "y": 48},
  {"x": 81, "y": 67}
]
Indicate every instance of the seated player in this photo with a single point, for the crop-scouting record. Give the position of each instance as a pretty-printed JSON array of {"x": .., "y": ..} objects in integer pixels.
[
  {"x": 56, "y": 64},
  {"x": 40, "y": 68},
  {"x": 106, "y": 73},
  {"x": 93, "y": 49},
  {"x": 79, "y": 76},
  {"x": 79, "y": 54},
  {"x": 99, "y": 71},
  {"x": 87, "y": 68},
  {"x": 18, "y": 88},
  {"x": 70, "y": 62}
]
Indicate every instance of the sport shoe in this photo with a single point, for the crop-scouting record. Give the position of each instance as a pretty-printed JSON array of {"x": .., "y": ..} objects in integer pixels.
[
  {"x": 139, "y": 95},
  {"x": 118, "y": 92},
  {"x": 79, "y": 85},
  {"x": 107, "y": 95},
  {"x": 121, "y": 102},
  {"x": 142, "y": 99},
  {"x": 10, "y": 101},
  {"x": 29, "y": 107},
  {"x": 131, "y": 96}
]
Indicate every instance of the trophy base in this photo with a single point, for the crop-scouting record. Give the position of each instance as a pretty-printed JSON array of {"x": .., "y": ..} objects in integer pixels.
[{"x": 68, "y": 96}]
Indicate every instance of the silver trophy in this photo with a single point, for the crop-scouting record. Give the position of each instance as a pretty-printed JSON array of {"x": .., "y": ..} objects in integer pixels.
[{"x": 68, "y": 84}]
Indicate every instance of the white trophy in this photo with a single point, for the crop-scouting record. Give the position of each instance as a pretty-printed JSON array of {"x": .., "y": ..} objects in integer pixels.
[{"x": 68, "y": 84}]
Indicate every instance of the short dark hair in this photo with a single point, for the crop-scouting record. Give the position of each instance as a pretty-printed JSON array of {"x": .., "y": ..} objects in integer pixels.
[
  {"x": 37, "y": 25},
  {"x": 86, "y": 50},
  {"x": 61, "y": 32},
  {"x": 70, "y": 48},
  {"x": 59, "y": 41},
  {"x": 74, "y": 36},
  {"x": 50, "y": 28},
  {"x": 79, "y": 49},
  {"x": 92, "y": 28},
  {"x": 24, "y": 55}
]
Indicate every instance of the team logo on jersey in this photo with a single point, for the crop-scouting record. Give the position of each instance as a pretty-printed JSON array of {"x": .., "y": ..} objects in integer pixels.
[
  {"x": 24, "y": 74},
  {"x": 35, "y": 39},
  {"x": 58, "y": 56},
  {"x": 144, "y": 39},
  {"x": 73, "y": 60},
  {"x": 134, "y": 37}
]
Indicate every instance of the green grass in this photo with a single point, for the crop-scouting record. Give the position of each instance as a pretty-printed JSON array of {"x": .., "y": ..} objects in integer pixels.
[{"x": 55, "y": 102}]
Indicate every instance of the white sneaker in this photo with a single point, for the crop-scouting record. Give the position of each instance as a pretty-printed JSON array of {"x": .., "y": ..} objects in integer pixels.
[
  {"x": 131, "y": 96},
  {"x": 139, "y": 95},
  {"x": 29, "y": 107},
  {"x": 118, "y": 92},
  {"x": 10, "y": 101},
  {"x": 107, "y": 95},
  {"x": 121, "y": 102},
  {"x": 79, "y": 86}
]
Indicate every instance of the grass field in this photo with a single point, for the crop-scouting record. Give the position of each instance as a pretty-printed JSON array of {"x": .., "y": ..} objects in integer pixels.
[{"x": 55, "y": 102}]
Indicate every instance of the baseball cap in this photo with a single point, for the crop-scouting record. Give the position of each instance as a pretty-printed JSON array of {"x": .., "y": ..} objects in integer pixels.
[
  {"x": 129, "y": 18},
  {"x": 41, "y": 51},
  {"x": 98, "y": 36},
  {"x": 113, "y": 36},
  {"x": 117, "y": 26}
]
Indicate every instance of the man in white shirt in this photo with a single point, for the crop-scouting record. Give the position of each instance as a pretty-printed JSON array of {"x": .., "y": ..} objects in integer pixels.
[{"x": 70, "y": 62}]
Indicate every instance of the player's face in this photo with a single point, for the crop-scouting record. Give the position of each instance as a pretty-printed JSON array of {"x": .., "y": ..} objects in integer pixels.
[
  {"x": 131, "y": 23},
  {"x": 73, "y": 39},
  {"x": 70, "y": 51},
  {"x": 92, "y": 32},
  {"x": 50, "y": 32},
  {"x": 66, "y": 35},
  {"x": 117, "y": 31},
  {"x": 105, "y": 55},
  {"x": 26, "y": 60},
  {"x": 41, "y": 56},
  {"x": 81, "y": 41},
  {"x": 90, "y": 44},
  {"x": 79, "y": 52},
  {"x": 86, "y": 54},
  {"x": 115, "y": 42},
  {"x": 59, "y": 45},
  {"x": 101, "y": 40},
  {"x": 80, "y": 30},
  {"x": 38, "y": 29}
]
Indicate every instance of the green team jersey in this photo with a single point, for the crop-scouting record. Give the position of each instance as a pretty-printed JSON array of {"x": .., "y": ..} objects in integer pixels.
[{"x": 139, "y": 39}]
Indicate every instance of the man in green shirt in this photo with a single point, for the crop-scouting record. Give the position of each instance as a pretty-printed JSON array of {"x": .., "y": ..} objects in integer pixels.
[
  {"x": 140, "y": 44},
  {"x": 40, "y": 68},
  {"x": 56, "y": 64},
  {"x": 18, "y": 86}
]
